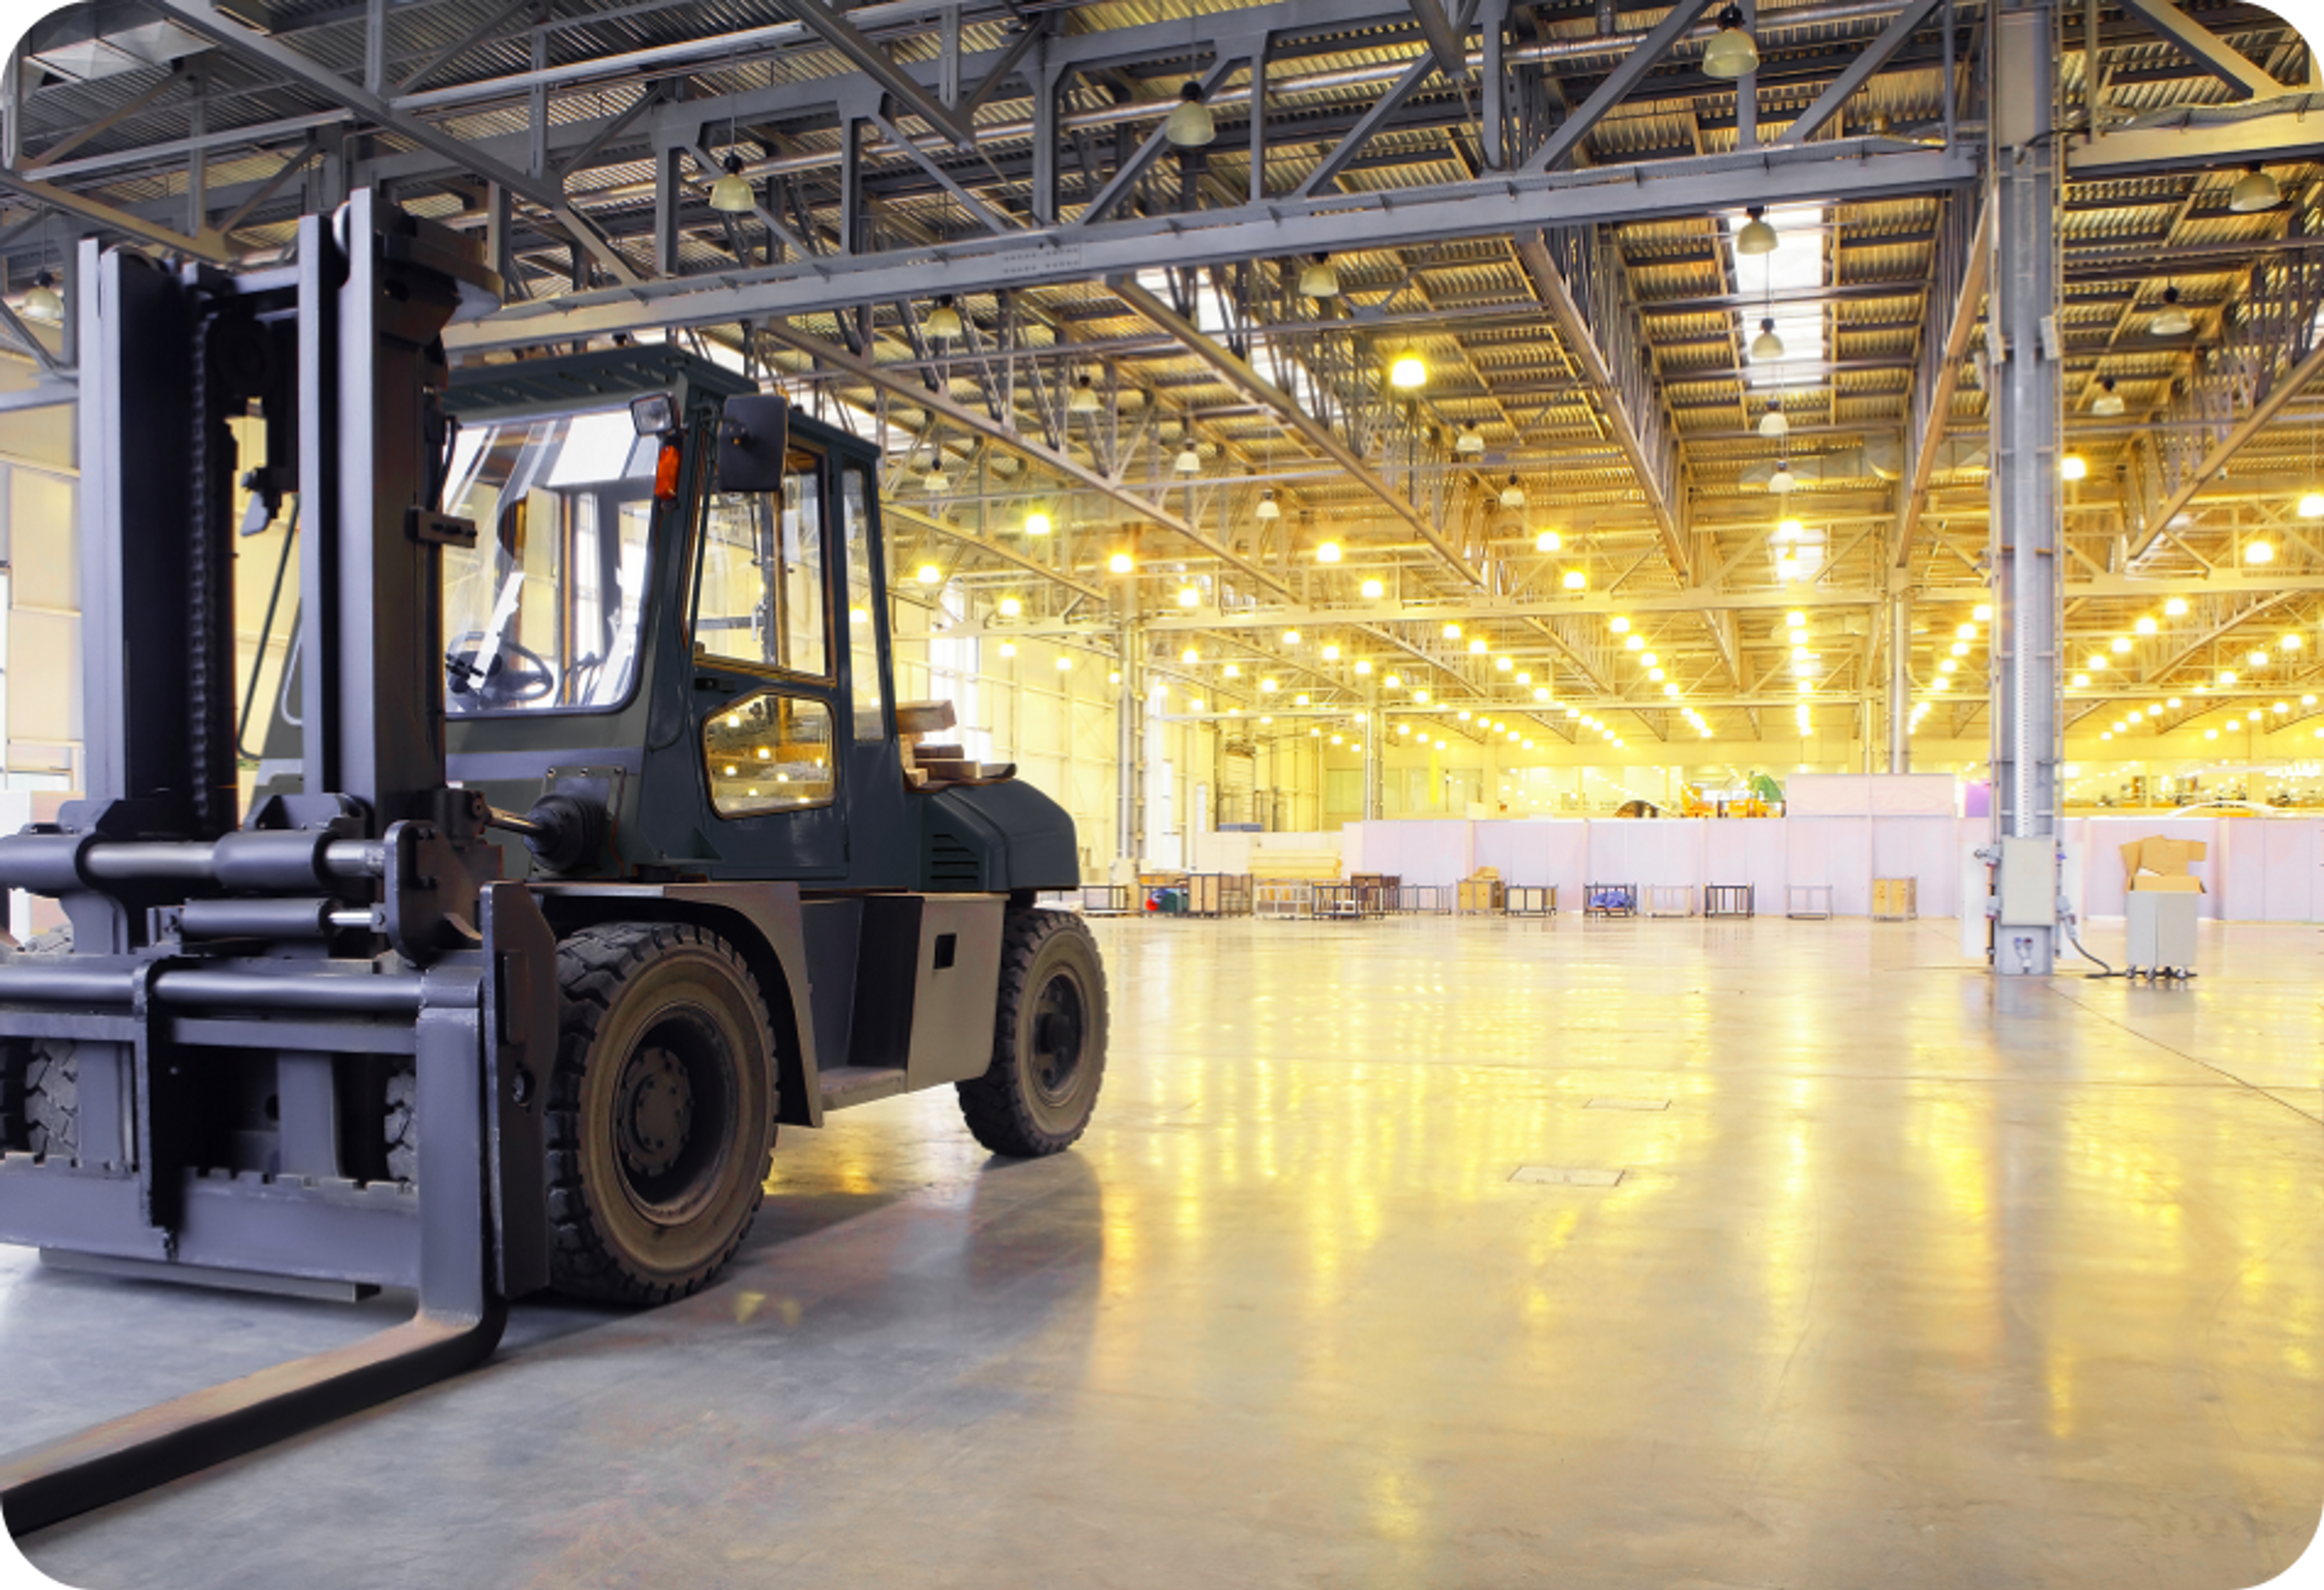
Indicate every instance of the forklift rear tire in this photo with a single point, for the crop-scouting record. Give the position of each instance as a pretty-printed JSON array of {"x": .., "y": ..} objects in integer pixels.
[
  {"x": 661, "y": 1113},
  {"x": 1048, "y": 1039}
]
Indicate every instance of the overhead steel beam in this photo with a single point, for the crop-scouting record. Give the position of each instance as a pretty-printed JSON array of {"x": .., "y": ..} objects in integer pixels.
[
  {"x": 894, "y": 511},
  {"x": 1444, "y": 41},
  {"x": 1960, "y": 326},
  {"x": 1833, "y": 99},
  {"x": 1574, "y": 330},
  {"x": 834, "y": 356},
  {"x": 1344, "y": 153},
  {"x": 483, "y": 29},
  {"x": 211, "y": 246},
  {"x": 1123, "y": 181},
  {"x": 2196, "y": 144},
  {"x": 873, "y": 61},
  {"x": 104, "y": 124},
  {"x": 2243, "y": 77},
  {"x": 2287, "y": 386},
  {"x": 202, "y": 17},
  {"x": 990, "y": 219},
  {"x": 1851, "y": 169},
  {"x": 1318, "y": 434},
  {"x": 1561, "y": 145}
]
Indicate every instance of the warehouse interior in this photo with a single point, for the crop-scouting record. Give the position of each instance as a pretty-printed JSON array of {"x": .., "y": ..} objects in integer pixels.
[{"x": 1385, "y": 468}]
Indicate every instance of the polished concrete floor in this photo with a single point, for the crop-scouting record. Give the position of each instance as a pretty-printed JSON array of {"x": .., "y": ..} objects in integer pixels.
[{"x": 1907, "y": 1279}]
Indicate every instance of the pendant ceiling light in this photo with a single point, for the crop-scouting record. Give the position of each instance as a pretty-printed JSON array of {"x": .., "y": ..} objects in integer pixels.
[
  {"x": 2255, "y": 192},
  {"x": 943, "y": 320},
  {"x": 1783, "y": 480},
  {"x": 1190, "y": 124},
  {"x": 1732, "y": 51},
  {"x": 730, "y": 194},
  {"x": 1775, "y": 423},
  {"x": 44, "y": 302},
  {"x": 1188, "y": 461},
  {"x": 2108, "y": 403},
  {"x": 1513, "y": 494},
  {"x": 1756, "y": 238},
  {"x": 1407, "y": 373},
  {"x": 1470, "y": 443},
  {"x": 1319, "y": 279},
  {"x": 2312, "y": 506},
  {"x": 1268, "y": 508},
  {"x": 935, "y": 480},
  {"x": 2173, "y": 321},
  {"x": 1766, "y": 345},
  {"x": 1084, "y": 400}
]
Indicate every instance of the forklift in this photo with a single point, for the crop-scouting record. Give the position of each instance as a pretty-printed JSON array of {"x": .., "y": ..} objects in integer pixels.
[{"x": 588, "y": 847}]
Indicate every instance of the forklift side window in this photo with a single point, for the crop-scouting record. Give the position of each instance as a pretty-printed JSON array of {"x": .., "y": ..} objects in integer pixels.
[
  {"x": 769, "y": 752},
  {"x": 862, "y": 633},
  {"x": 542, "y": 614},
  {"x": 761, "y": 600}
]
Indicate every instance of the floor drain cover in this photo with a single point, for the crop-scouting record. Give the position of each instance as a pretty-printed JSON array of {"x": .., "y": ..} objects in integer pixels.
[
  {"x": 1566, "y": 1176},
  {"x": 1628, "y": 1103}
]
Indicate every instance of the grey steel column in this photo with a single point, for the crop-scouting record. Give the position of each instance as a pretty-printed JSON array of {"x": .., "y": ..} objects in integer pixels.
[
  {"x": 1129, "y": 746},
  {"x": 1375, "y": 757},
  {"x": 2025, "y": 430},
  {"x": 1900, "y": 678}
]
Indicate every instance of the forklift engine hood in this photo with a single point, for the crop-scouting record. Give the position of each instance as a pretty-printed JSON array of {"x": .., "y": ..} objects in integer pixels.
[{"x": 995, "y": 838}]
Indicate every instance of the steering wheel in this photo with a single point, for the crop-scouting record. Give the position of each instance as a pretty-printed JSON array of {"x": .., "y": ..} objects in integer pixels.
[{"x": 492, "y": 681}]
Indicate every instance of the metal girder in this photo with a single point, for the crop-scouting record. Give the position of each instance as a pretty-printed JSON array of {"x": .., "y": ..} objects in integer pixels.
[
  {"x": 202, "y": 17},
  {"x": 1961, "y": 324},
  {"x": 1574, "y": 330},
  {"x": 1852, "y": 168},
  {"x": 701, "y": 157},
  {"x": 832, "y": 356},
  {"x": 2244, "y": 78},
  {"x": 292, "y": 165},
  {"x": 873, "y": 61},
  {"x": 1641, "y": 60},
  {"x": 990, "y": 219},
  {"x": 2293, "y": 133},
  {"x": 1833, "y": 99},
  {"x": 1444, "y": 36},
  {"x": 895, "y": 511},
  {"x": 2287, "y": 386},
  {"x": 476, "y": 35},
  {"x": 1318, "y": 434},
  {"x": 1123, "y": 181},
  {"x": 211, "y": 246},
  {"x": 104, "y": 124},
  {"x": 1345, "y": 153}
]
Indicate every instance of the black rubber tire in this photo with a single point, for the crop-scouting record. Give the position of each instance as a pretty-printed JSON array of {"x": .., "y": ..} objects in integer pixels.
[
  {"x": 1028, "y": 1103},
  {"x": 52, "y": 1099},
  {"x": 654, "y": 1011}
]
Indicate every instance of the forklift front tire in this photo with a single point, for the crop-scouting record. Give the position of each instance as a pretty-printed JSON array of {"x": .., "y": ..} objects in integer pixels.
[
  {"x": 1048, "y": 1039},
  {"x": 661, "y": 1113}
]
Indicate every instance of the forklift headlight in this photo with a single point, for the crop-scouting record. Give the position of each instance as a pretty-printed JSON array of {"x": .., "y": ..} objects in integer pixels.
[{"x": 654, "y": 416}]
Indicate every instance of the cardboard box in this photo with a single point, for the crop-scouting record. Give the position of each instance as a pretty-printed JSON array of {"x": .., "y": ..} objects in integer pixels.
[{"x": 2158, "y": 865}]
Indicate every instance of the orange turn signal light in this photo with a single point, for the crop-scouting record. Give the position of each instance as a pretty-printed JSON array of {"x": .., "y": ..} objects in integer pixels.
[{"x": 666, "y": 474}]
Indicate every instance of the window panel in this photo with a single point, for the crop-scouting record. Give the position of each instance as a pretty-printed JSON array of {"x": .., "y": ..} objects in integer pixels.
[{"x": 769, "y": 752}]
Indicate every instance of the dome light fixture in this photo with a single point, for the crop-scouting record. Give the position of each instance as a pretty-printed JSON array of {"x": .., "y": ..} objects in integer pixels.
[
  {"x": 1189, "y": 460},
  {"x": 731, "y": 195},
  {"x": 2260, "y": 552},
  {"x": 1513, "y": 494},
  {"x": 1190, "y": 124},
  {"x": 1084, "y": 400},
  {"x": 1188, "y": 596},
  {"x": 1574, "y": 579},
  {"x": 1767, "y": 345},
  {"x": 44, "y": 302},
  {"x": 930, "y": 574},
  {"x": 2074, "y": 467},
  {"x": 1327, "y": 552},
  {"x": 935, "y": 480},
  {"x": 1732, "y": 51},
  {"x": 2108, "y": 403},
  {"x": 1374, "y": 591},
  {"x": 2311, "y": 505},
  {"x": 1319, "y": 279},
  {"x": 1121, "y": 563},
  {"x": 1268, "y": 508},
  {"x": 2171, "y": 321},
  {"x": 2255, "y": 192},
  {"x": 1775, "y": 424},
  {"x": 943, "y": 320},
  {"x": 1783, "y": 480},
  {"x": 1407, "y": 373},
  {"x": 1038, "y": 524},
  {"x": 1755, "y": 236},
  {"x": 1548, "y": 540},
  {"x": 1470, "y": 443}
]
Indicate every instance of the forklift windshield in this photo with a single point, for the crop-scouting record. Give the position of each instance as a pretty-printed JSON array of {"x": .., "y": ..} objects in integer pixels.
[{"x": 543, "y": 612}]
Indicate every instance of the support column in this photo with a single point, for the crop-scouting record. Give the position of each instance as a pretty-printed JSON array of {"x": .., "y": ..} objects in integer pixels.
[
  {"x": 1375, "y": 756},
  {"x": 2024, "y": 481},
  {"x": 1900, "y": 678},
  {"x": 1129, "y": 747}
]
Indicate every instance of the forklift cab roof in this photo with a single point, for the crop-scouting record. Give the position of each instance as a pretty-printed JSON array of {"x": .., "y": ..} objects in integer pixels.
[{"x": 591, "y": 381}]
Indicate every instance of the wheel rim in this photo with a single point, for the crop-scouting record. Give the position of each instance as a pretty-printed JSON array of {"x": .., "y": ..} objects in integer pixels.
[
  {"x": 1060, "y": 1028},
  {"x": 673, "y": 1117}
]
